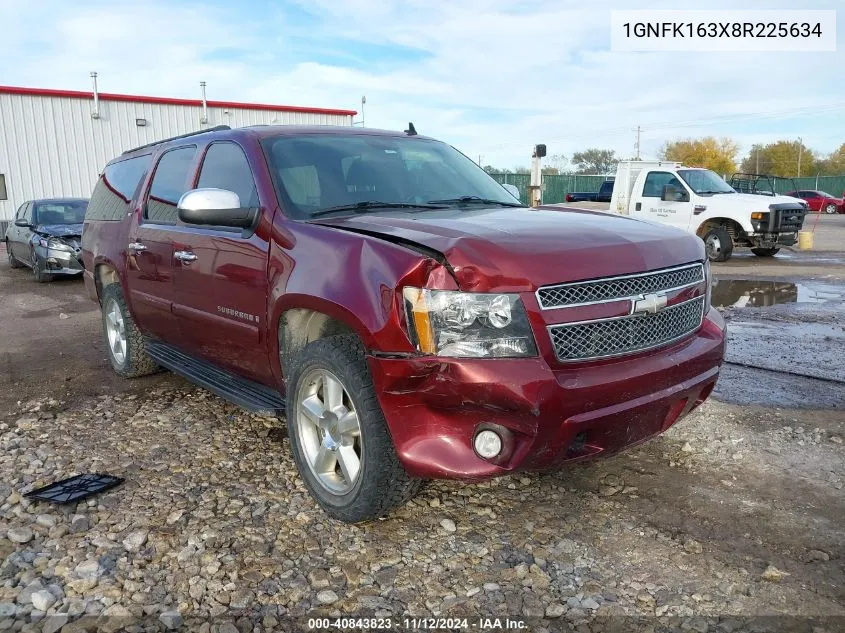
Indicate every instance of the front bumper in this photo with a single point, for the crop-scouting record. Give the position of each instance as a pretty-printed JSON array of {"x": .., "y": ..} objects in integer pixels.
[
  {"x": 546, "y": 416},
  {"x": 772, "y": 240},
  {"x": 56, "y": 262}
]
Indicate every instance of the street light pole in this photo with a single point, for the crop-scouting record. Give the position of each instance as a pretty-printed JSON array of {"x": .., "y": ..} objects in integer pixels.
[
  {"x": 800, "y": 144},
  {"x": 363, "y": 102}
]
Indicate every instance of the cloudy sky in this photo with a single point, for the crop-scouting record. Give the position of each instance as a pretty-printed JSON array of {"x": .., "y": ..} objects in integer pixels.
[{"x": 492, "y": 77}]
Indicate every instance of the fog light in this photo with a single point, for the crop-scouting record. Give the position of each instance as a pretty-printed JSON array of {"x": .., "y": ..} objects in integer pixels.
[{"x": 488, "y": 444}]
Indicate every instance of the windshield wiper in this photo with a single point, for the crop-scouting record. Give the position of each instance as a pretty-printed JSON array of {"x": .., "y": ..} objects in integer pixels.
[
  {"x": 366, "y": 205},
  {"x": 476, "y": 200},
  {"x": 701, "y": 193}
]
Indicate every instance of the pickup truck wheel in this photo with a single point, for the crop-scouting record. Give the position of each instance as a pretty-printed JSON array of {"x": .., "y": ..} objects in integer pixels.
[
  {"x": 13, "y": 263},
  {"x": 830, "y": 209},
  {"x": 764, "y": 252},
  {"x": 125, "y": 343},
  {"x": 339, "y": 437},
  {"x": 718, "y": 244}
]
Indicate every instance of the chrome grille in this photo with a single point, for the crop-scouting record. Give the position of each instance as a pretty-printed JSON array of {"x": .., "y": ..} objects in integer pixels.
[
  {"x": 624, "y": 335},
  {"x": 614, "y": 288}
]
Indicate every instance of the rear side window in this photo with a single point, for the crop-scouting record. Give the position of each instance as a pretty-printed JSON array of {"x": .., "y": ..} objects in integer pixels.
[
  {"x": 170, "y": 181},
  {"x": 225, "y": 167},
  {"x": 116, "y": 188}
]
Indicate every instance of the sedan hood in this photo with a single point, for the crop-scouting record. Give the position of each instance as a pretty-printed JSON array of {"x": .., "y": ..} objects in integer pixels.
[
  {"x": 521, "y": 249},
  {"x": 59, "y": 230}
]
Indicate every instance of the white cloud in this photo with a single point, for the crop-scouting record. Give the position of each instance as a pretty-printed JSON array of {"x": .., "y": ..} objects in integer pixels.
[{"x": 494, "y": 76}]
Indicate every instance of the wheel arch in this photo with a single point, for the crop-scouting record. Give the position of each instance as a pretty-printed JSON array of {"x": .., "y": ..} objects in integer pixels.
[{"x": 733, "y": 228}]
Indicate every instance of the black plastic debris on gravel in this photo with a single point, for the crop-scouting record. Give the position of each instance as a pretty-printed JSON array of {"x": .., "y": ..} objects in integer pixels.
[{"x": 75, "y": 488}]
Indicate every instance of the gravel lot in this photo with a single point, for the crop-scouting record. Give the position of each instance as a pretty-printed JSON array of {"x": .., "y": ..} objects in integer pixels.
[{"x": 730, "y": 521}]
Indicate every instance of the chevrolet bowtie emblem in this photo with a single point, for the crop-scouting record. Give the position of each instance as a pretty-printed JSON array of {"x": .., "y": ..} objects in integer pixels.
[{"x": 649, "y": 303}]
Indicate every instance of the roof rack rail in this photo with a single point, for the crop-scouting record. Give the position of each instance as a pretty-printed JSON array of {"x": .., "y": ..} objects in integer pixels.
[{"x": 216, "y": 128}]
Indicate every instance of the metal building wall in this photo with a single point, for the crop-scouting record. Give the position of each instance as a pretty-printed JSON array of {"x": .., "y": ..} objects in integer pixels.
[{"x": 51, "y": 146}]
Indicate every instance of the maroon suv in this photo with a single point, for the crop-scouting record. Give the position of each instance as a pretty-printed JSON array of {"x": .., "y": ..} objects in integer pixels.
[{"x": 411, "y": 318}]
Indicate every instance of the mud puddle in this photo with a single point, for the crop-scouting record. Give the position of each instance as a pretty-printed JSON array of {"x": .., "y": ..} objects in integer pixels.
[{"x": 755, "y": 293}]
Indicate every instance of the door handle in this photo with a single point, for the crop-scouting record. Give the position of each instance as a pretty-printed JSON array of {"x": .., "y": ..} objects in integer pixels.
[
  {"x": 136, "y": 246},
  {"x": 185, "y": 256}
]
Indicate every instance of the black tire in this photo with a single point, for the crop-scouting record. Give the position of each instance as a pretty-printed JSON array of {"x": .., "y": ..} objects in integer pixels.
[
  {"x": 39, "y": 275},
  {"x": 13, "y": 263},
  {"x": 382, "y": 484},
  {"x": 765, "y": 252},
  {"x": 830, "y": 209},
  {"x": 136, "y": 362},
  {"x": 718, "y": 244}
]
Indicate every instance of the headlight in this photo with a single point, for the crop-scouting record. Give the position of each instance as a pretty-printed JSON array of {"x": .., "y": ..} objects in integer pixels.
[
  {"x": 468, "y": 324},
  {"x": 708, "y": 280},
  {"x": 57, "y": 245}
]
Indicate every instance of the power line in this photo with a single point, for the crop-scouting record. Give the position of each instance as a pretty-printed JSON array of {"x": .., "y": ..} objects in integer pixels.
[{"x": 691, "y": 123}]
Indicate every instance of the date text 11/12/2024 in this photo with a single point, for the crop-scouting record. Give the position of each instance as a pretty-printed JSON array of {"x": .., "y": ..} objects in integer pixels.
[{"x": 417, "y": 624}]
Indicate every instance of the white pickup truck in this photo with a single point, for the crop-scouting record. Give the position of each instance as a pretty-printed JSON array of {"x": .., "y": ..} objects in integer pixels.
[{"x": 700, "y": 201}]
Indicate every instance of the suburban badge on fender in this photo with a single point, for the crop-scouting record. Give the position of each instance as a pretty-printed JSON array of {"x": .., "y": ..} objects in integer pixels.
[{"x": 649, "y": 303}]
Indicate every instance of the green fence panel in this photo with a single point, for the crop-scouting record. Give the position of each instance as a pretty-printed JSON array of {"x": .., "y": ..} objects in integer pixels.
[
  {"x": 520, "y": 181},
  {"x": 834, "y": 185},
  {"x": 556, "y": 186}
]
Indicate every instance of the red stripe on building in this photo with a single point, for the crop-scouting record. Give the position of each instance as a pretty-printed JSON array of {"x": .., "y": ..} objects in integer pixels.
[{"x": 107, "y": 96}]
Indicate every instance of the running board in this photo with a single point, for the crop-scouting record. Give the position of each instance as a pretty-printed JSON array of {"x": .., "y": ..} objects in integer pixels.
[{"x": 241, "y": 391}]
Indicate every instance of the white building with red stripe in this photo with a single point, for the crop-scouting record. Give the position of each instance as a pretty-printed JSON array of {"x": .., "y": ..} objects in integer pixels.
[{"x": 53, "y": 143}]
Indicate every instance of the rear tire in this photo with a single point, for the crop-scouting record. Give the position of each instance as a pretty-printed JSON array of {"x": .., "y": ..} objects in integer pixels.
[
  {"x": 830, "y": 209},
  {"x": 764, "y": 252},
  {"x": 718, "y": 244},
  {"x": 124, "y": 342},
  {"x": 13, "y": 263},
  {"x": 336, "y": 427}
]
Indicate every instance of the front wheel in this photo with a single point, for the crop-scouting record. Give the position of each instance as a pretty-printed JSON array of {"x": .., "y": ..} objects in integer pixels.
[
  {"x": 339, "y": 437},
  {"x": 37, "y": 270},
  {"x": 718, "y": 244},
  {"x": 830, "y": 209},
  {"x": 764, "y": 252},
  {"x": 124, "y": 341}
]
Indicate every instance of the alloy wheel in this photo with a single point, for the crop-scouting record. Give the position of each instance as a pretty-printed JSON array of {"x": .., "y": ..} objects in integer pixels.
[
  {"x": 116, "y": 332},
  {"x": 329, "y": 431}
]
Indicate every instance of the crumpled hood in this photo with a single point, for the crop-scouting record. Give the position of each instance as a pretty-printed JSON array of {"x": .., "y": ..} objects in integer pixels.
[
  {"x": 60, "y": 230},
  {"x": 521, "y": 249}
]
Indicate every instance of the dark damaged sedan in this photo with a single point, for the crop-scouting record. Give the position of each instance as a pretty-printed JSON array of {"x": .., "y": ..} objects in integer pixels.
[{"x": 45, "y": 236}]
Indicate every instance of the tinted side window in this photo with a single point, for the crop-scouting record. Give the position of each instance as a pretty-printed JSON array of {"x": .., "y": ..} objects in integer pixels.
[
  {"x": 225, "y": 167},
  {"x": 656, "y": 180},
  {"x": 170, "y": 181},
  {"x": 27, "y": 213},
  {"x": 116, "y": 188},
  {"x": 19, "y": 213}
]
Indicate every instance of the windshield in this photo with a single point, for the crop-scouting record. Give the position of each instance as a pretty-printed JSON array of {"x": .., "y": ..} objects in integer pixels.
[
  {"x": 317, "y": 174},
  {"x": 65, "y": 212},
  {"x": 705, "y": 181}
]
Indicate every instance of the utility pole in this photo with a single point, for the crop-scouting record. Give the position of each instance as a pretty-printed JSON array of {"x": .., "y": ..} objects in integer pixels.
[
  {"x": 800, "y": 145},
  {"x": 757, "y": 155},
  {"x": 363, "y": 103},
  {"x": 638, "y": 142}
]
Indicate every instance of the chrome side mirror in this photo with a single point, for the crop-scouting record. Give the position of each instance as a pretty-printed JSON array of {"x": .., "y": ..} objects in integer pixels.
[{"x": 216, "y": 207}]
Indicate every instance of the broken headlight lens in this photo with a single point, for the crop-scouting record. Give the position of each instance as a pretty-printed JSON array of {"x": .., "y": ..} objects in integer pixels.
[{"x": 468, "y": 324}]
